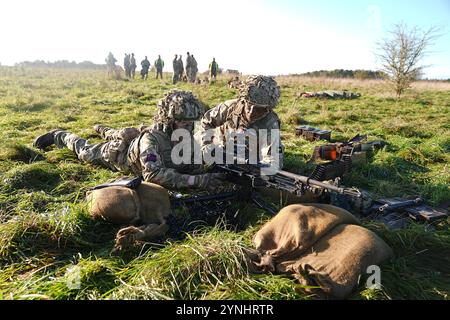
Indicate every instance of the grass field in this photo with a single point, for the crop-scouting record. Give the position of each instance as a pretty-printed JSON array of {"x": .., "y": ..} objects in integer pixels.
[{"x": 45, "y": 229}]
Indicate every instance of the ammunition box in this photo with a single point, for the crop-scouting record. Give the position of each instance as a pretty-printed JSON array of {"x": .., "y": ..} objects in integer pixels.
[
  {"x": 359, "y": 157},
  {"x": 426, "y": 213},
  {"x": 312, "y": 134}
]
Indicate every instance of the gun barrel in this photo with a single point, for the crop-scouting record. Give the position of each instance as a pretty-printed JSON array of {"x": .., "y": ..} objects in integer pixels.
[{"x": 307, "y": 181}]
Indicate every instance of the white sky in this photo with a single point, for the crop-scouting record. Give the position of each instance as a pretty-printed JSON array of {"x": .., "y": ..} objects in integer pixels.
[{"x": 250, "y": 36}]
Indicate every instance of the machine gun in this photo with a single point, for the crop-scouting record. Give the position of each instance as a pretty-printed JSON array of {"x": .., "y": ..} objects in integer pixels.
[
  {"x": 394, "y": 212},
  {"x": 282, "y": 180}
]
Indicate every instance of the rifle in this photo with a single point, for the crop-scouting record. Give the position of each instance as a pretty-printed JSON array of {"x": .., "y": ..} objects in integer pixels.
[{"x": 414, "y": 208}]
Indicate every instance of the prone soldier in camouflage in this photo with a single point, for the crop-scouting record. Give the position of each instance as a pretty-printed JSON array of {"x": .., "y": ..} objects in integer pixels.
[
  {"x": 145, "y": 152},
  {"x": 253, "y": 109},
  {"x": 331, "y": 94}
]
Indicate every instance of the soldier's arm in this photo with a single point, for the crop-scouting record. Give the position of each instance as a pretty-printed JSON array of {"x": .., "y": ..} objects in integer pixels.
[
  {"x": 215, "y": 117},
  {"x": 154, "y": 170},
  {"x": 126, "y": 134},
  {"x": 212, "y": 126}
]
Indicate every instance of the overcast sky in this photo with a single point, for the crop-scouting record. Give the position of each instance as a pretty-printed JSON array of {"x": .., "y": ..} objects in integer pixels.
[{"x": 267, "y": 37}]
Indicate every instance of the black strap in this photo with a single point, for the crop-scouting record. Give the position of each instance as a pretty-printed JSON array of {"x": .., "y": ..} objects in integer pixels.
[{"x": 131, "y": 183}]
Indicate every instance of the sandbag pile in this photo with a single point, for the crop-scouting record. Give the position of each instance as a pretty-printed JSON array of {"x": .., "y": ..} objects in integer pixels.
[{"x": 320, "y": 245}]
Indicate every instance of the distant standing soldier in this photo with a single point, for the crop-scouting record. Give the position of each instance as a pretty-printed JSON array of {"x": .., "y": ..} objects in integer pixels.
[
  {"x": 175, "y": 78},
  {"x": 132, "y": 65},
  {"x": 213, "y": 68},
  {"x": 159, "y": 65},
  {"x": 194, "y": 69},
  {"x": 180, "y": 67},
  {"x": 111, "y": 64},
  {"x": 127, "y": 65},
  {"x": 145, "y": 66},
  {"x": 188, "y": 65}
]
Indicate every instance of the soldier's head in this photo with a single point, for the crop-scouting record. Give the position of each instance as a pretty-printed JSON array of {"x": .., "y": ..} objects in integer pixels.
[
  {"x": 178, "y": 109},
  {"x": 132, "y": 54},
  {"x": 260, "y": 95}
]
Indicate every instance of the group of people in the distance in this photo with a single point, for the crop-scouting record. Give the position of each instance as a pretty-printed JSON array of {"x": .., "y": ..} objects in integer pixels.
[{"x": 181, "y": 72}]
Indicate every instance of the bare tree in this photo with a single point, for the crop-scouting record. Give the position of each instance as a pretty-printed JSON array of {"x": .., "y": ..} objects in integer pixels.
[{"x": 401, "y": 54}]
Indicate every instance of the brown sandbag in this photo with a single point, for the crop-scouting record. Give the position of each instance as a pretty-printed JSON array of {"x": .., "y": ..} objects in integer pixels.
[
  {"x": 148, "y": 203},
  {"x": 297, "y": 227},
  {"x": 320, "y": 245},
  {"x": 115, "y": 204},
  {"x": 337, "y": 260}
]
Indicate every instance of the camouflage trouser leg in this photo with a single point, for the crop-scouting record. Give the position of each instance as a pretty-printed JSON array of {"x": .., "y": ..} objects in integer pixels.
[{"x": 92, "y": 153}]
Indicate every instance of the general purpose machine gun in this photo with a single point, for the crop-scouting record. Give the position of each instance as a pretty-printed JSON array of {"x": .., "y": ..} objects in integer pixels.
[{"x": 292, "y": 183}]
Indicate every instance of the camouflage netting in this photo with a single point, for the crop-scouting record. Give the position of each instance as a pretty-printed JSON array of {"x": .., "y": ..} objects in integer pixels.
[
  {"x": 260, "y": 90},
  {"x": 179, "y": 105}
]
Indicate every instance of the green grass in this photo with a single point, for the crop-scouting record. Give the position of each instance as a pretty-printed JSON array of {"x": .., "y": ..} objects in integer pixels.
[{"x": 45, "y": 229}]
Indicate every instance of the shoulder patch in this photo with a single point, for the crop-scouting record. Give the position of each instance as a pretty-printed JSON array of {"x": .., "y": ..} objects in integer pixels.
[{"x": 151, "y": 157}]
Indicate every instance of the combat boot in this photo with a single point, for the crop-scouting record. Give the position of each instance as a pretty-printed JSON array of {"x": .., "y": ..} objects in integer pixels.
[
  {"x": 100, "y": 129},
  {"x": 45, "y": 140}
]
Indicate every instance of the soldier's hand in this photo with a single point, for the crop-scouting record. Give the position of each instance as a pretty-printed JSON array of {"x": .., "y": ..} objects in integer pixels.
[{"x": 210, "y": 181}]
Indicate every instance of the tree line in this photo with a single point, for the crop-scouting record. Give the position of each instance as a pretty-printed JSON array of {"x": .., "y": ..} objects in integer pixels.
[
  {"x": 61, "y": 64},
  {"x": 341, "y": 73}
]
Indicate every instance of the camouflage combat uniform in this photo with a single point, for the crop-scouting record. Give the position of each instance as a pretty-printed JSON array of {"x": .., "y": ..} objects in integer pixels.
[
  {"x": 175, "y": 77},
  {"x": 145, "y": 152},
  {"x": 159, "y": 65},
  {"x": 213, "y": 68},
  {"x": 229, "y": 115},
  {"x": 127, "y": 65},
  {"x": 331, "y": 94},
  {"x": 145, "y": 66},
  {"x": 180, "y": 67},
  {"x": 188, "y": 66},
  {"x": 193, "y": 69},
  {"x": 132, "y": 66}
]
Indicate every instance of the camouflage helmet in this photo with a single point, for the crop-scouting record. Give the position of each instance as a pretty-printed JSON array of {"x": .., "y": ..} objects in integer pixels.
[
  {"x": 179, "y": 105},
  {"x": 261, "y": 90}
]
